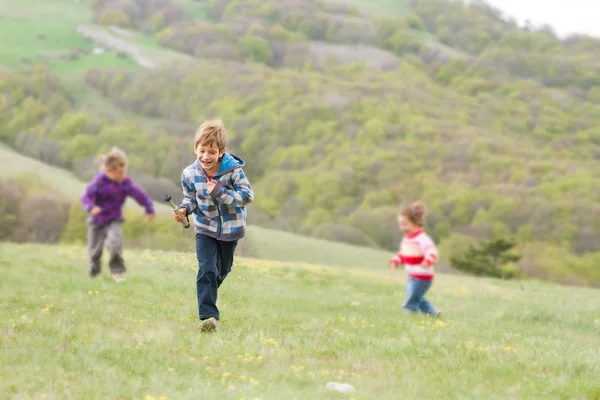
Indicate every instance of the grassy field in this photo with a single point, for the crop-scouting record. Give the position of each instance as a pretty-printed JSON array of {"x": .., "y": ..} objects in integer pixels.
[
  {"x": 288, "y": 247},
  {"x": 286, "y": 330},
  {"x": 22, "y": 23}
]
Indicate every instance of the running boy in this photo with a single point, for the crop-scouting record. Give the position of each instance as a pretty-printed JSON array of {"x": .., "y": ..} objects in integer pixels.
[
  {"x": 216, "y": 192},
  {"x": 103, "y": 199},
  {"x": 418, "y": 254}
]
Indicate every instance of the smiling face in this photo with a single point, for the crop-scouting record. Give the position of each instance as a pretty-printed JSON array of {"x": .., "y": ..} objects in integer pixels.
[
  {"x": 406, "y": 225},
  {"x": 117, "y": 173},
  {"x": 209, "y": 156}
]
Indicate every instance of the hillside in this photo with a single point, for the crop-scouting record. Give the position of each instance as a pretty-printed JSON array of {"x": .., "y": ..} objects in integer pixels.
[
  {"x": 342, "y": 111},
  {"x": 260, "y": 242},
  {"x": 278, "y": 339}
]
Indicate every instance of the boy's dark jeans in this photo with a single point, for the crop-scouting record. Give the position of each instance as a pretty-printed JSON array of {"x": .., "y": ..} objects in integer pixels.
[{"x": 215, "y": 259}]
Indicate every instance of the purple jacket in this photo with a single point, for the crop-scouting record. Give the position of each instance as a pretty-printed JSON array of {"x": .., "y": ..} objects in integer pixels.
[{"x": 110, "y": 197}]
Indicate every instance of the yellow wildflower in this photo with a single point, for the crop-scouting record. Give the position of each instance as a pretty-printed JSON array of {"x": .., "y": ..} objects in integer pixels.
[{"x": 254, "y": 382}]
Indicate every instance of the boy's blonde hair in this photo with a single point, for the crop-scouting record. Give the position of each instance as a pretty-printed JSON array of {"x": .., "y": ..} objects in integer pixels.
[
  {"x": 415, "y": 212},
  {"x": 211, "y": 132},
  {"x": 115, "y": 158}
]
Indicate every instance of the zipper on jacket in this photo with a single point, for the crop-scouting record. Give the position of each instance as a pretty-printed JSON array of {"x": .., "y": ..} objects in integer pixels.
[{"x": 219, "y": 224}]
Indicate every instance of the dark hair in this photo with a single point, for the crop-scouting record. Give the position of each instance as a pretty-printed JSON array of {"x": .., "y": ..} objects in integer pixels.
[{"x": 415, "y": 212}]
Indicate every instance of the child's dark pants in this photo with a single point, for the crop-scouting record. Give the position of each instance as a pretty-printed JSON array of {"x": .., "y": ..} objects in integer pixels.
[{"x": 215, "y": 258}]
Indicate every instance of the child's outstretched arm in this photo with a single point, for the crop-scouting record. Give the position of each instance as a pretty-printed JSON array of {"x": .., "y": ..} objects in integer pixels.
[
  {"x": 141, "y": 197},
  {"x": 429, "y": 250},
  {"x": 241, "y": 195},
  {"x": 397, "y": 260},
  {"x": 88, "y": 199},
  {"x": 189, "y": 195}
]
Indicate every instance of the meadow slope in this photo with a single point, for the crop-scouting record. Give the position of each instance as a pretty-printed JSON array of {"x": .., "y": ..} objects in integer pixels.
[
  {"x": 493, "y": 127},
  {"x": 287, "y": 330},
  {"x": 260, "y": 242}
]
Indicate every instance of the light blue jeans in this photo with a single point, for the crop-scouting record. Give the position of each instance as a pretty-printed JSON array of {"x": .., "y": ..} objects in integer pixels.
[{"x": 415, "y": 297}]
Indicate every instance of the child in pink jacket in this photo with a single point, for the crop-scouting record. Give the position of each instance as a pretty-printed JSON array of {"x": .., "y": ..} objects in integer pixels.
[{"x": 418, "y": 254}]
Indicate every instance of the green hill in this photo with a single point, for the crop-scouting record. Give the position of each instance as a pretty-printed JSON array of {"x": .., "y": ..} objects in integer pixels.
[
  {"x": 342, "y": 111},
  {"x": 287, "y": 330},
  {"x": 260, "y": 242}
]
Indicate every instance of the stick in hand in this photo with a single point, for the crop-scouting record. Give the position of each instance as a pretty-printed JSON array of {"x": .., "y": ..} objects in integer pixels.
[{"x": 186, "y": 221}]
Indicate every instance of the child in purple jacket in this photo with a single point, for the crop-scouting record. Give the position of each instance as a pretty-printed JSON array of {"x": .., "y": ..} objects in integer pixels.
[{"x": 103, "y": 199}]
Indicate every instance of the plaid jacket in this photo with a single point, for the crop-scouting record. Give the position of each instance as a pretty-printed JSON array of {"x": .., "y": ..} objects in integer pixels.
[{"x": 220, "y": 214}]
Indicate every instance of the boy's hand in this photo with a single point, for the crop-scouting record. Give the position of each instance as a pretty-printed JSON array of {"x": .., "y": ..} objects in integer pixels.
[
  {"x": 95, "y": 211},
  {"x": 181, "y": 216},
  {"x": 150, "y": 217},
  {"x": 211, "y": 185}
]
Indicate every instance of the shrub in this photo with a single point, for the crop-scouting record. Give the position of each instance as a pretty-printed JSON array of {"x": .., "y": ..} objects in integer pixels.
[
  {"x": 76, "y": 229},
  {"x": 42, "y": 217},
  {"x": 115, "y": 17},
  {"x": 256, "y": 48},
  {"x": 489, "y": 258},
  {"x": 11, "y": 194}
]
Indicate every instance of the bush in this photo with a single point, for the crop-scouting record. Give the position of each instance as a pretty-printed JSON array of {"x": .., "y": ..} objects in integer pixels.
[
  {"x": 115, "y": 17},
  {"x": 256, "y": 48},
  {"x": 11, "y": 194},
  {"x": 490, "y": 258},
  {"x": 42, "y": 217},
  {"x": 75, "y": 231}
]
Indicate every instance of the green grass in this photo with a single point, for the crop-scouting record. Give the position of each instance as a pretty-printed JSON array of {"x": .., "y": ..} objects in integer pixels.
[
  {"x": 286, "y": 331},
  {"x": 284, "y": 246},
  {"x": 381, "y": 7},
  {"x": 21, "y": 22},
  {"x": 66, "y": 68}
]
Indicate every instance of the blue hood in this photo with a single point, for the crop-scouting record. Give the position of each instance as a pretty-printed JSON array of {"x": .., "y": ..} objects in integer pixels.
[{"x": 229, "y": 162}]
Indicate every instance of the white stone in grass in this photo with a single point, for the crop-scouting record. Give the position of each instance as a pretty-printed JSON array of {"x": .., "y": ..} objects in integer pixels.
[{"x": 340, "y": 387}]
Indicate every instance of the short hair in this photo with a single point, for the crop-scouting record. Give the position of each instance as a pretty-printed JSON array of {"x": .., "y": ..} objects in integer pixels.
[
  {"x": 210, "y": 132},
  {"x": 114, "y": 158},
  {"x": 415, "y": 212}
]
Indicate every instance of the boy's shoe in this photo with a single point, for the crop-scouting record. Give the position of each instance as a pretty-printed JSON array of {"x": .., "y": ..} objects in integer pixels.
[
  {"x": 209, "y": 325},
  {"x": 118, "y": 278}
]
